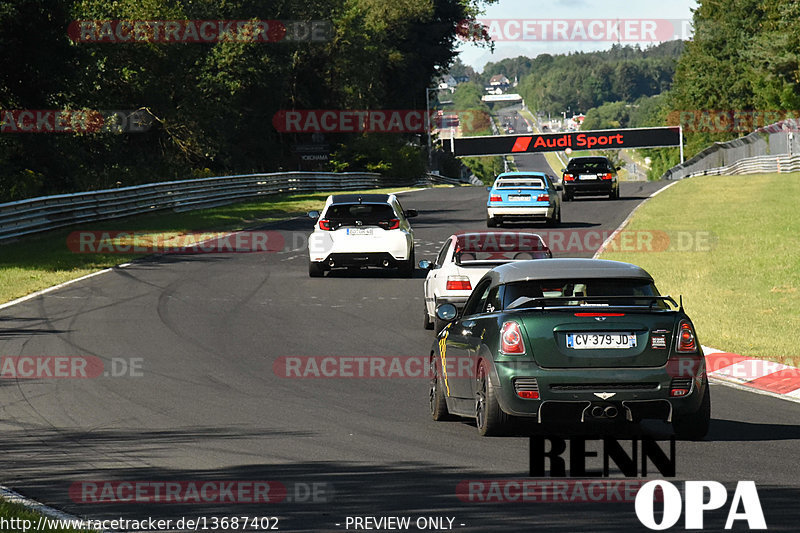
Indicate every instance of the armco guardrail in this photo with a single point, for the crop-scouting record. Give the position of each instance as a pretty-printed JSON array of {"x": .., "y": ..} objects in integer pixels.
[
  {"x": 755, "y": 165},
  {"x": 766, "y": 150},
  {"x": 50, "y": 212}
]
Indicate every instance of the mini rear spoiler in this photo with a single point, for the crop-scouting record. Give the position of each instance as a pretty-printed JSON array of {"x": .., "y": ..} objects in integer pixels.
[{"x": 525, "y": 301}]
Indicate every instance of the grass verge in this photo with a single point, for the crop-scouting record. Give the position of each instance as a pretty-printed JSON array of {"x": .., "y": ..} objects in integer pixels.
[
  {"x": 734, "y": 255},
  {"x": 22, "y": 519},
  {"x": 40, "y": 261}
]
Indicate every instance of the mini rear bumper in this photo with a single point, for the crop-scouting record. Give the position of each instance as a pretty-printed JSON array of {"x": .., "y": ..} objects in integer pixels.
[{"x": 572, "y": 396}]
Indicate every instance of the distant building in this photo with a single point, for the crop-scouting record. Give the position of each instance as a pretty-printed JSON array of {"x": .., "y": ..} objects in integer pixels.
[
  {"x": 447, "y": 82},
  {"x": 575, "y": 122},
  {"x": 498, "y": 80}
]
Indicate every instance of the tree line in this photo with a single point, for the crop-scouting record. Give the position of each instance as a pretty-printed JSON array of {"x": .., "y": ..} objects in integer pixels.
[{"x": 211, "y": 104}]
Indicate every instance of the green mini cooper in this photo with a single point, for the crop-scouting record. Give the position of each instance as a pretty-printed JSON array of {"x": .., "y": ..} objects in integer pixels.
[{"x": 569, "y": 340}]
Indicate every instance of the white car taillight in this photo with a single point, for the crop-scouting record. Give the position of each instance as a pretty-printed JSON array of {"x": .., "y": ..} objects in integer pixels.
[{"x": 458, "y": 283}]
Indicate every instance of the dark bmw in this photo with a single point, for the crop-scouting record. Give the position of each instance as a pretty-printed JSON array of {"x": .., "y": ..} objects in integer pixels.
[
  {"x": 569, "y": 340},
  {"x": 590, "y": 176}
]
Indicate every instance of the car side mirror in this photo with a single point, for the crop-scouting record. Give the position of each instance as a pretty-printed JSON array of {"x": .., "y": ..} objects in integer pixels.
[
  {"x": 446, "y": 312},
  {"x": 488, "y": 189},
  {"x": 410, "y": 213},
  {"x": 425, "y": 265},
  {"x": 313, "y": 214},
  {"x": 617, "y": 168},
  {"x": 563, "y": 170}
]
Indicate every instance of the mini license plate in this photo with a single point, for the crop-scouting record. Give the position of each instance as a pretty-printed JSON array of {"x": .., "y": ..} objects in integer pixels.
[
  {"x": 593, "y": 341},
  {"x": 359, "y": 231},
  {"x": 588, "y": 176},
  {"x": 519, "y": 198}
]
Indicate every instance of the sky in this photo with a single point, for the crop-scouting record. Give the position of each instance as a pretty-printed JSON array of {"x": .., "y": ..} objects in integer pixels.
[{"x": 599, "y": 20}]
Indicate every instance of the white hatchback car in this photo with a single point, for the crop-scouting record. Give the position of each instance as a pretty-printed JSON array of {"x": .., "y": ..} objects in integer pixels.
[
  {"x": 361, "y": 230},
  {"x": 465, "y": 258}
]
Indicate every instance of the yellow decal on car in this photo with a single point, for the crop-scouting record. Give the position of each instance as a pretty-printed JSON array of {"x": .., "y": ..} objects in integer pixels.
[{"x": 442, "y": 350}]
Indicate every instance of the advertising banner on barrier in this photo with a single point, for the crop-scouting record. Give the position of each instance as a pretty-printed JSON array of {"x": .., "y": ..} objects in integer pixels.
[{"x": 574, "y": 140}]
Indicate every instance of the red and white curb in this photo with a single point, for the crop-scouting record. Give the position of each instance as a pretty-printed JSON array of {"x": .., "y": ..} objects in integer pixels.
[{"x": 757, "y": 375}]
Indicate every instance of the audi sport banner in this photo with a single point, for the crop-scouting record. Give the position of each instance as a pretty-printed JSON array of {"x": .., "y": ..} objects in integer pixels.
[{"x": 556, "y": 142}]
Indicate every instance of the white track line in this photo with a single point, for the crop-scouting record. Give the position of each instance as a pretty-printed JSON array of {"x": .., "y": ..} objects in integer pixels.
[
  {"x": 105, "y": 270},
  {"x": 56, "y": 287}
]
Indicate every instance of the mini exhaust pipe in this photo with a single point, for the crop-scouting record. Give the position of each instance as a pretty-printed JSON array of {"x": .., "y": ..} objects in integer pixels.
[
  {"x": 331, "y": 263},
  {"x": 610, "y": 412},
  {"x": 597, "y": 411},
  {"x": 386, "y": 262}
]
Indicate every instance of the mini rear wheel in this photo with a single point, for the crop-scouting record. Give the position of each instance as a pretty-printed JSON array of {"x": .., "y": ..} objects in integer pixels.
[{"x": 490, "y": 419}]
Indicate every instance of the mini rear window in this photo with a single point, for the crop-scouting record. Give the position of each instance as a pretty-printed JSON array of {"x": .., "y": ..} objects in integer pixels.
[{"x": 578, "y": 288}]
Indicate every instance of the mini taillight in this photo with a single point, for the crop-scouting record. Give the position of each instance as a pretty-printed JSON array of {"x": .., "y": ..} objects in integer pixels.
[
  {"x": 528, "y": 394},
  {"x": 325, "y": 225},
  {"x": 569, "y": 177},
  {"x": 606, "y": 176},
  {"x": 458, "y": 283},
  {"x": 543, "y": 198},
  {"x": 394, "y": 223},
  {"x": 511, "y": 339},
  {"x": 495, "y": 198},
  {"x": 686, "y": 340}
]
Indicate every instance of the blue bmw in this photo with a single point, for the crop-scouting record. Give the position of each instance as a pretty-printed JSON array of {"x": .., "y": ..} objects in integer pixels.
[{"x": 523, "y": 196}]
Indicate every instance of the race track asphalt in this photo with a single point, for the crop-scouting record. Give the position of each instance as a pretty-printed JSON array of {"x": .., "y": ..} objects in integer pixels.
[{"x": 205, "y": 332}]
